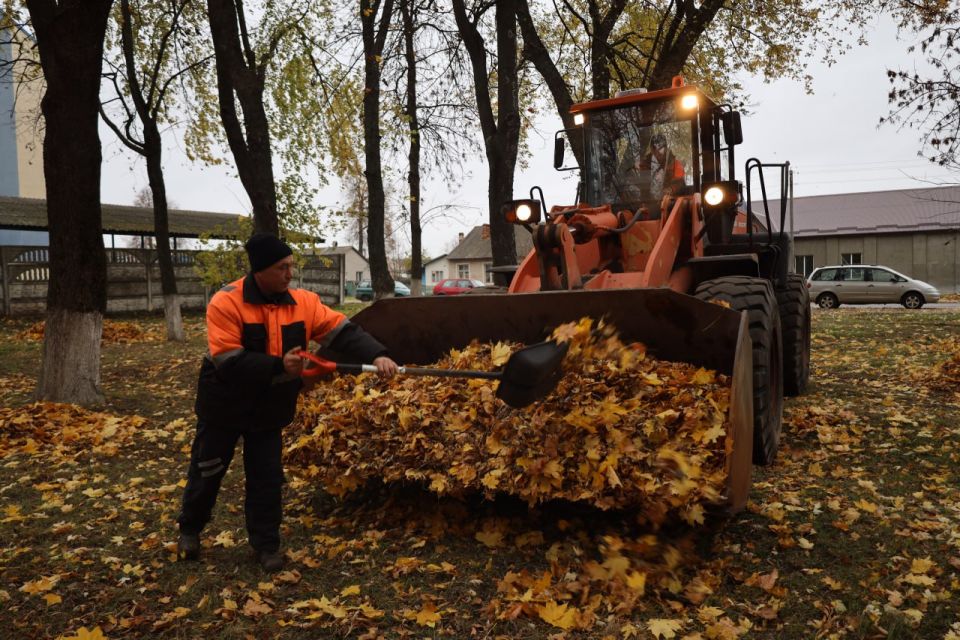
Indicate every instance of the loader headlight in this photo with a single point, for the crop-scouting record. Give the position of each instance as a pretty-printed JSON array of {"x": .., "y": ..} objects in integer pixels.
[
  {"x": 689, "y": 101},
  {"x": 713, "y": 196},
  {"x": 522, "y": 211},
  {"x": 578, "y": 119},
  {"x": 721, "y": 194}
]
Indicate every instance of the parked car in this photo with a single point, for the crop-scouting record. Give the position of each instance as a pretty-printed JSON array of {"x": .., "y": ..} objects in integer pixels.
[
  {"x": 365, "y": 290},
  {"x": 455, "y": 286},
  {"x": 864, "y": 284}
]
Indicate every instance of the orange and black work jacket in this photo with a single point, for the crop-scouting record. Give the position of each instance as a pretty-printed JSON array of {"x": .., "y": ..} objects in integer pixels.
[{"x": 242, "y": 381}]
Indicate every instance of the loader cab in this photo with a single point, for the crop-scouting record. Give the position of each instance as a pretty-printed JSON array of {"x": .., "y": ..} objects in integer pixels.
[{"x": 641, "y": 146}]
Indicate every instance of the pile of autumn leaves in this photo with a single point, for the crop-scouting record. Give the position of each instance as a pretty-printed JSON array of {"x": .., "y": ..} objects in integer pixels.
[
  {"x": 621, "y": 430},
  {"x": 114, "y": 331},
  {"x": 57, "y": 430}
]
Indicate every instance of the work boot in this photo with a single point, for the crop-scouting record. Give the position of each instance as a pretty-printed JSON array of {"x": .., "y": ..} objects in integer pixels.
[
  {"x": 188, "y": 546},
  {"x": 270, "y": 561}
]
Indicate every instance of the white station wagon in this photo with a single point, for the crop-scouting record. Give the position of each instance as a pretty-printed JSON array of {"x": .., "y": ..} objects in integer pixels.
[{"x": 867, "y": 284}]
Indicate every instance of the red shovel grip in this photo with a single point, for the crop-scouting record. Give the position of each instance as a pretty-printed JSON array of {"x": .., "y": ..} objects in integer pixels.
[{"x": 323, "y": 367}]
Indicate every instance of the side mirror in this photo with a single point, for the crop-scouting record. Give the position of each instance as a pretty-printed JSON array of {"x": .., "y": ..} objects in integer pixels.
[
  {"x": 732, "y": 132},
  {"x": 558, "y": 149}
]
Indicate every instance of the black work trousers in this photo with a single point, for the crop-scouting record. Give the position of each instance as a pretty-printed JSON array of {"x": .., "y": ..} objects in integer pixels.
[{"x": 210, "y": 457}]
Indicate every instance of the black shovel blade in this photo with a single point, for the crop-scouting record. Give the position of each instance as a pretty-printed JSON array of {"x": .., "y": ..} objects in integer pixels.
[{"x": 531, "y": 373}]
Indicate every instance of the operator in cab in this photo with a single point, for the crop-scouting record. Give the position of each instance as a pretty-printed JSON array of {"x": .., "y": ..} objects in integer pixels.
[{"x": 665, "y": 170}]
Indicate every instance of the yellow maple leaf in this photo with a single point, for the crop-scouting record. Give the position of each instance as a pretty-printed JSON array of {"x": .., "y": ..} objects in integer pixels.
[
  {"x": 665, "y": 628},
  {"x": 562, "y": 616},
  {"x": 617, "y": 565},
  {"x": 370, "y": 611},
  {"x": 637, "y": 580},
  {"x": 921, "y": 565},
  {"x": 492, "y": 538},
  {"x": 352, "y": 590},
  {"x": 702, "y": 376},
  {"x": 40, "y": 585},
  {"x": 428, "y": 616},
  {"x": 499, "y": 354},
  {"x": 52, "y": 598},
  {"x": 864, "y": 505},
  {"x": 255, "y": 607},
  {"x": 438, "y": 483},
  {"x": 919, "y": 580},
  {"x": 224, "y": 539},
  {"x": 84, "y": 634},
  {"x": 405, "y": 417},
  {"x": 714, "y": 432},
  {"x": 491, "y": 480},
  {"x": 334, "y": 610},
  {"x": 694, "y": 515},
  {"x": 565, "y": 332}
]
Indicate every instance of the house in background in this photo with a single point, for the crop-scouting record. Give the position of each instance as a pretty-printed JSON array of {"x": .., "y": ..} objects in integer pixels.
[
  {"x": 356, "y": 268},
  {"x": 473, "y": 257},
  {"x": 435, "y": 271}
]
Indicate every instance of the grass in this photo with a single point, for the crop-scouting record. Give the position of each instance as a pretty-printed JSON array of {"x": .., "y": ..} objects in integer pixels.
[{"x": 851, "y": 533}]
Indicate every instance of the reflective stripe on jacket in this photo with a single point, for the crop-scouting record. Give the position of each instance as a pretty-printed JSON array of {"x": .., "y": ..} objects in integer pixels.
[{"x": 242, "y": 382}]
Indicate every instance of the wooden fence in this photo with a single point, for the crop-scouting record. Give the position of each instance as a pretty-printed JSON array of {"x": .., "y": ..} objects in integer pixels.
[{"x": 133, "y": 280}]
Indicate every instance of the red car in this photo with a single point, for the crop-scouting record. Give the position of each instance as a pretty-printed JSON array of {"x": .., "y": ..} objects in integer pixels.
[{"x": 455, "y": 286}]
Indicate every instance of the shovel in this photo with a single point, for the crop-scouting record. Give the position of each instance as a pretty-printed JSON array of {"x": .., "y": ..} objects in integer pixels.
[{"x": 530, "y": 373}]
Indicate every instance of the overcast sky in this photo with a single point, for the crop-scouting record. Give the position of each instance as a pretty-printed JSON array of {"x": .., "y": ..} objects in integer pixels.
[{"x": 831, "y": 138}]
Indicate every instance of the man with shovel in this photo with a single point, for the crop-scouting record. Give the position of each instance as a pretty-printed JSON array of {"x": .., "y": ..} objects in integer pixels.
[{"x": 257, "y": 328}]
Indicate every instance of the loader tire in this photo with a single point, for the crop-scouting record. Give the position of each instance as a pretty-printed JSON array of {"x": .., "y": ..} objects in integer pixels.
[
  {"x": 794, "y": 302},
  {"x": 757, "y": 298}
]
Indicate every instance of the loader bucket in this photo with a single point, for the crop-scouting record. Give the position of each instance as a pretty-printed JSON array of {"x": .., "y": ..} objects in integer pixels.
[{"x": 673, "y": 326}]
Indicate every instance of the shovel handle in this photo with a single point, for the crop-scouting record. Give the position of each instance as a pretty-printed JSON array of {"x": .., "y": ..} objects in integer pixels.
[
  {"x": 328, "y": 366},
  {"x": 450, "y": 373}
]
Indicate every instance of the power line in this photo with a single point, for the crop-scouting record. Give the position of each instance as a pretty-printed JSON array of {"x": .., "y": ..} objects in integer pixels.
[{"x": 798, "y": 180}]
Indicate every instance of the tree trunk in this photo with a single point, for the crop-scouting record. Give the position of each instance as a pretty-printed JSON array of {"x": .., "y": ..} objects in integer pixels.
[
  {"x": 413, "y": 177},
  {"x": 152, "y": 150},
  {"x": 373, "y": 42},
  {"x": 241, "y": 79},
  {"x": 168, "y": 280},
  {"x": 501, "y": 133},
  {"x": 503, "y": 167},
  {"x": 70, "y": 38}
]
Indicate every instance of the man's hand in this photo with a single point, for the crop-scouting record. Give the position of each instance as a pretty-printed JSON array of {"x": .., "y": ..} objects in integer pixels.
[
  {"x": 386, "y": 368},
  {"x": 293, "y": 362}
]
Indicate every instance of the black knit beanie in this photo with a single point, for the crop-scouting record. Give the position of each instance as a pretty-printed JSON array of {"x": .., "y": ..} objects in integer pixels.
[{"x": 265, "y": 249}]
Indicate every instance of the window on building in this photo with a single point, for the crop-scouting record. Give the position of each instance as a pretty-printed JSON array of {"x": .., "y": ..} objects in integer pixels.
[
  {"x": 359, "y": 276},
  {"x": 488, "y": 273},
  {"x": 436, "y": 276},
  {"x": 851, "y": 258},
  {"x": 463, "y": 270},
  {"x": 803, "y": 265}
]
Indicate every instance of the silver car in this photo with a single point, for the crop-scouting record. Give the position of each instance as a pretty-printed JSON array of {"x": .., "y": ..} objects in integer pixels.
[{"x": 867, "y": 284}]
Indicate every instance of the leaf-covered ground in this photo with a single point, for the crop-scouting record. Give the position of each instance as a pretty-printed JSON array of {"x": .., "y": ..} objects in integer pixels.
[{"x": 854, "y": 532}]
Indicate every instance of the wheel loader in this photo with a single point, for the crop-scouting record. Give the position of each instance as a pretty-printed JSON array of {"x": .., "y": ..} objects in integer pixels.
[{"x": 657, "y": 244}]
